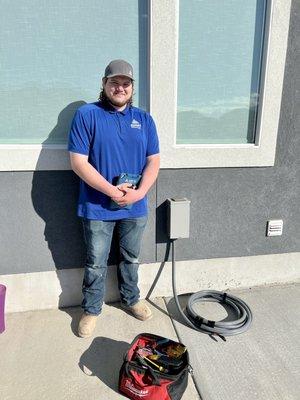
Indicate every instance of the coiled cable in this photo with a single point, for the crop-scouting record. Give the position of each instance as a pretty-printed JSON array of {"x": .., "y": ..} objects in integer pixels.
[{"x": 220, "y": 328}]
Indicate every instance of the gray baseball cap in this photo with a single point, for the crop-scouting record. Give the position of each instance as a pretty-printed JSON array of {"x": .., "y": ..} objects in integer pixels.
[{"x": 118, "y": 67}]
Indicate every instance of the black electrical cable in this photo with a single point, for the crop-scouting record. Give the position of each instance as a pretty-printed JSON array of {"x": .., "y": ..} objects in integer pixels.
[{"x": 220, "y": 328}]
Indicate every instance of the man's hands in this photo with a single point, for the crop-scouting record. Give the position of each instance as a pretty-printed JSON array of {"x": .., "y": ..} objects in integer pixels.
[
  {"x": 128, "y": 193},
  {"x": 117, "y": 193},
  {"x": 123, "y": 194}
]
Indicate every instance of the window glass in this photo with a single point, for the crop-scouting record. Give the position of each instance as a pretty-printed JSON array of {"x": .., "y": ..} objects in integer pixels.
[
  {"x": 219, "y": 64},
  {"x": 53, "y": 55}
]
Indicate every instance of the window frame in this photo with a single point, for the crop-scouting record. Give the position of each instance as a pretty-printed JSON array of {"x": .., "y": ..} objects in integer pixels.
[
  {"x": 163, "y": 34},
  {"x": 164, "y": 40}
]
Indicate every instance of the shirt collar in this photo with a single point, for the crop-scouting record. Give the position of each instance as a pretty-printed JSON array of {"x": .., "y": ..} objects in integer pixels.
[
  {"x": 112, "y": 110},
  {"x": 126, "y": 110}
]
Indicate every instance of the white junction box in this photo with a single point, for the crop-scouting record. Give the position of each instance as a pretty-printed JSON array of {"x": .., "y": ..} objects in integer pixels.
[
  {"x": 274, "y": 227},
  {"x": 178, "y": 218}
]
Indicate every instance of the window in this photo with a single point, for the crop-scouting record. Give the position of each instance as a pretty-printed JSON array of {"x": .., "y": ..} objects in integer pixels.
[
  {"x": 53, "y": 55},
  {"x": 219, "y": 64},
  {"x": 247, "y": 133}
]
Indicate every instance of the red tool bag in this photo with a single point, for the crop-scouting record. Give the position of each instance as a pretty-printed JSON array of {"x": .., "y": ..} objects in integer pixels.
[{"x": 154, "y": 368}]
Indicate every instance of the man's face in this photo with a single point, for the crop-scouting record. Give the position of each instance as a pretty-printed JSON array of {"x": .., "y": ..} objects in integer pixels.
[{"x": 118, "y": 90}]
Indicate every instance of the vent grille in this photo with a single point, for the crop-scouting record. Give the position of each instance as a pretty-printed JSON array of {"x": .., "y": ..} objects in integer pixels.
[{"x": 274, "y": 227}]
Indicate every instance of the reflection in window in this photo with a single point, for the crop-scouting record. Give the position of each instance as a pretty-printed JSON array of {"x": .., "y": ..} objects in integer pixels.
[
  {"x": 53, "y": 56},
  {"x": 219, "y": 65}
]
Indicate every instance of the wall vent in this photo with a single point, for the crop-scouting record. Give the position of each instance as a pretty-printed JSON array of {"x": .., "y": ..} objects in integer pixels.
[{"x": 274, "y": 227}]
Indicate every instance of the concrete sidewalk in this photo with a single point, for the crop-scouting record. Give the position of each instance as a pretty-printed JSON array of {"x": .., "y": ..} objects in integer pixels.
[
  {"x": 42, "y": 358},
  {"x": 262, "y": 363}
]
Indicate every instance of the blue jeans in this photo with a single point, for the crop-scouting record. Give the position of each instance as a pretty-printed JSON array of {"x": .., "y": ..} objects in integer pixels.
[{"x": 98, "y": 236}]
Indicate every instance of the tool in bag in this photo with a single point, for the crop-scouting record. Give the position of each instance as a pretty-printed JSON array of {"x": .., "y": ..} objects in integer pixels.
[{"x": 154, "y": 368}]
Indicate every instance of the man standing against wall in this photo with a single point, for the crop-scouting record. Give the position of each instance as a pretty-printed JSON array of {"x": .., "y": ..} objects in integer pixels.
[{"x": 110, "y": 138}]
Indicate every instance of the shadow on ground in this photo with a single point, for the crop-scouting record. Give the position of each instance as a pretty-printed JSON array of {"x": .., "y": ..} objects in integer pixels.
[
  {"x": 104, "y": 352},
  {"x": 75, "y": 313}
]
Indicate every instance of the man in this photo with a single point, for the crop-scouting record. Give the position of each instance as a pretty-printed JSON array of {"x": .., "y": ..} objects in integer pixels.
[{"x": 109, "y": 138}]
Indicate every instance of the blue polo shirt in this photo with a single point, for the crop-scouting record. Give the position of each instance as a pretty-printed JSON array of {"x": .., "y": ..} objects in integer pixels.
[{"x": 115, "y": 142}]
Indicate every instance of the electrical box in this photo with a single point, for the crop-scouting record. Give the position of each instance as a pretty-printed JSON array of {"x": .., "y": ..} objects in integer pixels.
[{"x": 178, "y": 218}]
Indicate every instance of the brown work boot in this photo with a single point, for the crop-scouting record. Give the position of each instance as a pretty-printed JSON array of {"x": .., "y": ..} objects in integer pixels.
[
  {"x": 87, "y": 325},
  {"x": 140, "y": 310}
]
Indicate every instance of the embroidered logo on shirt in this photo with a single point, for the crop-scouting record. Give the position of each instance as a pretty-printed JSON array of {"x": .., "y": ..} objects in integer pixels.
[{"x": 135, "y": 124}]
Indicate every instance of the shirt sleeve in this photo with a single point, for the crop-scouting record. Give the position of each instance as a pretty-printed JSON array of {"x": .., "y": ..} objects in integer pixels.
[
  {"x": 80, "y": 135},
  {"x": 153, "y": 142}
]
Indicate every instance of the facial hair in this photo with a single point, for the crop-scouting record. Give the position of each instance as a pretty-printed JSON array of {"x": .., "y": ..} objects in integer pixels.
[{"x": 117, "y": 103}]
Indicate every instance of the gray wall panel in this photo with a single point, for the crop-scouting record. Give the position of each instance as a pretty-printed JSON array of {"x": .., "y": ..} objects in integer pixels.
[
  {"x": 39, "y": 230},
  {"x": 229, "y": 210},
  {"x": 39, "y": 227}
]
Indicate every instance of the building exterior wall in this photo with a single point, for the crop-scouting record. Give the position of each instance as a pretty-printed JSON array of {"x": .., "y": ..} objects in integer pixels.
[{"x": 229, "y": 206}]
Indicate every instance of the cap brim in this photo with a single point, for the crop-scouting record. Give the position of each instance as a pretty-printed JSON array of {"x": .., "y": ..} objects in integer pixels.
[{"x": 113, "y": 75}]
